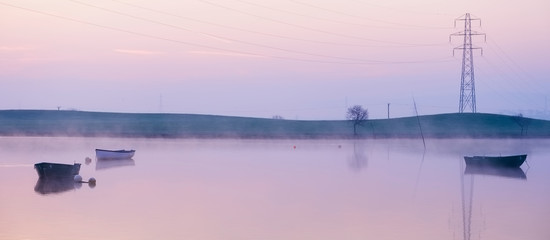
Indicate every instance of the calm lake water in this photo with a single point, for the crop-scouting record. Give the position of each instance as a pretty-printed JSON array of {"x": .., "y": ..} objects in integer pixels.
[{"x": 275, "y": 189}]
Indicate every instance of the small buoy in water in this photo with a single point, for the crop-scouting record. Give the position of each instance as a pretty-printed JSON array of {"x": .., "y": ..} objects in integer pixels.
[
  {"x": 91, "y": 182},
  {"x": 77, "y": 178},
  {"x": 339, "y": 146}
]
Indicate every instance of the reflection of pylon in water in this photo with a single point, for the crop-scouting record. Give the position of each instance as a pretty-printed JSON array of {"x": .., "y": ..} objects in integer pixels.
[
  {"x": 467, "y": 83},
  {"x": 467, "y": 201}
]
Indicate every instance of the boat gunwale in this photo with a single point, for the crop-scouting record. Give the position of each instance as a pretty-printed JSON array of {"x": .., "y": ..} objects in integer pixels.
[{"x": 115, "y": 151}]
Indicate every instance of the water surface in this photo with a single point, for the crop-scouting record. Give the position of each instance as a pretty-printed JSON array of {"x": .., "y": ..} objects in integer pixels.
[{"x": 275, "y": 189}]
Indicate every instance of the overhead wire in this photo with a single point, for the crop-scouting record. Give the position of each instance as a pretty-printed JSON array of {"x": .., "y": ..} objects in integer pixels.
[
  {"x": 312, "y": 17},
  {"x": 253, "y": 31},
  {"x": 168, "y": 39},
  {"x": 224, "y": 37},
  {"x": 526, "y": 76},
  {"x": 241, "y": 41},
  {"x": 507, "y": 78},
  {"x": 202, "y": 45},
  {"x": 365, "y": 18},
  {"x": 506, "y": 82},
  {"x": 304, "y": 27},
  {"x": 350, "y": 60},
  {"x": 271, "y": 34},
  {"x": 405, "y": 10},
  {"x": 485, "y": 81}
]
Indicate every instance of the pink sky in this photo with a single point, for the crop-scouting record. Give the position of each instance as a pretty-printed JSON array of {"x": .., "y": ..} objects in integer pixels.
[{"x": 301, "y": 59}]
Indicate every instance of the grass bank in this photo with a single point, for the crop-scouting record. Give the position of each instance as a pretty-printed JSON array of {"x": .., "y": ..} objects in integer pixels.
[{"x": 101, "y": 124}]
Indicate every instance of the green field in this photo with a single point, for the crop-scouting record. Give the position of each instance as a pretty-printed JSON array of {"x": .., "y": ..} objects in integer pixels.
[{"x": 100, "y": 124}]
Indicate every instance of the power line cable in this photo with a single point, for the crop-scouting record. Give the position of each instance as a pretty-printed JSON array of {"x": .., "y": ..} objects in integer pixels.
[
  {"x": 271, "y": 34},
  {"x": 522, "y": 82},
  {"x": 202, "y": 45},
  {"x": 223, "y": 37},
  {"x": 506, "y": 79},
  {"x": 255, "y": 32},
  {"x": 168, "y": 39},
  {"x": 304, "y": 27},
  {"x": 365, "y": 18},
  {"x": 404, "y": 9},
  {"x": 526, "y": 74},
  {"x": 231, "y": 39},
  {"x": 312, "y": 17},
  {"x": 485, "y": 82}
]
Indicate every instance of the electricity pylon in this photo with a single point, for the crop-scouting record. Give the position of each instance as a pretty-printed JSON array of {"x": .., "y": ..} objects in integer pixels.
[{"x": 467, "y": 82}]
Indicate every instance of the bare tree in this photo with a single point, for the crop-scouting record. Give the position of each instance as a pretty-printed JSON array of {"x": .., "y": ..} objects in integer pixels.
[
  {"x": 523, "y": 122},
  {"x": 358, "y": 115}
]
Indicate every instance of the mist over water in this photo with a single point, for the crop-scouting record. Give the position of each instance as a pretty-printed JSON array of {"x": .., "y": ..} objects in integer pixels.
[{"x": 275, "y": 189}]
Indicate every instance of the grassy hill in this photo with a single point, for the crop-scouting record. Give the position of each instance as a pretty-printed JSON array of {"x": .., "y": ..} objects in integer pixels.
[{"x": 78, "y": 123}]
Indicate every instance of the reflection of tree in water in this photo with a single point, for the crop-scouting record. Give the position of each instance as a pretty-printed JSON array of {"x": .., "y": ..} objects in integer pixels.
[{"x": 358, "y": 159}]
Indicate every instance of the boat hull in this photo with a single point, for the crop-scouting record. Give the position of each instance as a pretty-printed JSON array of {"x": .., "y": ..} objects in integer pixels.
[
  {"x": 56, "y": 170},
  {"x": 497, "y": 161},
  {"x": 114, "y": 154}
]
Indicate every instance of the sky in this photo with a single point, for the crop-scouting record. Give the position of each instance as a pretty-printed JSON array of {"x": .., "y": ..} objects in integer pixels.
[{"x": 298, "y": 59}]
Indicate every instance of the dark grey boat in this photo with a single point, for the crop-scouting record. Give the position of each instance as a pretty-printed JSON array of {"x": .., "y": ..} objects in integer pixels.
[
  {"x": 498, "y": 161},
  {"x": 56, "y": 170}
]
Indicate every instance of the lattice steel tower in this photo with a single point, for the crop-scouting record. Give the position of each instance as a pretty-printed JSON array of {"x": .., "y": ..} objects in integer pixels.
[{"x": 467, "y": 82}]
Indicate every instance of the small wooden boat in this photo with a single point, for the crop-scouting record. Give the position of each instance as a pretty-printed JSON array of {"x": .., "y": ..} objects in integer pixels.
[
  {"x": 56, "y": 170},
  {"x": 114, "y": 154},
  {"x": 498, "y": 161}
]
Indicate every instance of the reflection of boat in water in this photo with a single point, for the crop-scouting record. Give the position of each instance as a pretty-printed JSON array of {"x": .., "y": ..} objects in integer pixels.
[
  {"x": 56, "y": 170},
  {"x": 495, "y": 171},
  {"x": 55, "y": 185},
  {"x": 499, "y": 161},
  {"x": 506, "y": 166},
  {"x": 114, "y": 154},
  {"x": 111, "y": 163}
]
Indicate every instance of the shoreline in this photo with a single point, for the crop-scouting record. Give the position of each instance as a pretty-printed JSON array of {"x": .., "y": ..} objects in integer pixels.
[{"x": 52, "y": 123}]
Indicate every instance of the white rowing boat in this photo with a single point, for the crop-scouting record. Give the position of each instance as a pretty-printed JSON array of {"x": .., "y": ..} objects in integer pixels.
[{"x": 114, "y": 154}]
